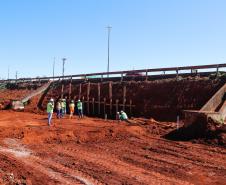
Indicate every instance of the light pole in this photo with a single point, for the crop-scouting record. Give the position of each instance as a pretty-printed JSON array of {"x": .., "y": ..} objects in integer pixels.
[
  {"x": 53, "y": 67},
  {"x": 8, "y": 72},
  {"x": 63, "y": 59},
  {"x": 109, "y": 31},
  {"x": 16, "y": 75}
]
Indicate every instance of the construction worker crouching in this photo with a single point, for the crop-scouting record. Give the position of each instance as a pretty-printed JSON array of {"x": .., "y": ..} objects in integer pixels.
[
  {"x": 72, "y": 108},
  {"x": 50, "y": 107},
  {"x": 79, "y": 107},
  {"x": 124, "y": 117}
]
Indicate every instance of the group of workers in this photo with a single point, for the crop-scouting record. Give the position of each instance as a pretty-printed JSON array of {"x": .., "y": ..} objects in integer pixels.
[{"x": 61, "y": 110}]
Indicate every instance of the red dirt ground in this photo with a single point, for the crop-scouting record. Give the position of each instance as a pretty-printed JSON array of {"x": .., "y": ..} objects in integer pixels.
[{"x": 93, "y": 151}]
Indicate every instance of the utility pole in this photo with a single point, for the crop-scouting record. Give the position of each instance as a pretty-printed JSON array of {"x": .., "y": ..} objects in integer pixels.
[
  {"x": 53, "y": 67},
  {"x": 108, "y": 66},
  {"x": 63, "y": 59},
  {"x": 16, "y": 75},
  {"x": 8, "y": 72}
]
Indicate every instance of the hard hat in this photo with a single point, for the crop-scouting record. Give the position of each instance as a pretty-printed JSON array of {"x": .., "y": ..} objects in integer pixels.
[
  {"x": 121, "y": 111},
  {"x": 72, "y": 101},
  {"x": 51, "y": 100},
  {"x": 78, "y": 100},
  {"x": 117, "y": 112}
]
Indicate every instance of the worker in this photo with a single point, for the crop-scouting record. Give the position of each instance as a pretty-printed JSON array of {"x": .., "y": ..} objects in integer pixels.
[
  {"x": 79, "y": 107},
  {"x": 72, "y": 108},
  {"x": 63, "y": 107},
  {"x": 50, "y": 107},
  {"x": 124, "y": 117},
  {"x": 58, "y": 108},
  {"x": 118, "y": 116}
]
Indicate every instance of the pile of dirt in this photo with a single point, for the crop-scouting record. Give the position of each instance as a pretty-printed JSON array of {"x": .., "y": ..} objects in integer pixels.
[
  {"x": 153, "y": 126},
  {"x": 201, "y": 131}
]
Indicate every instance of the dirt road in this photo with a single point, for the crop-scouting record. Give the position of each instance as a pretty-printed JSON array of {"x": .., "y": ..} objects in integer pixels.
[{"x": 93, "y": 151}]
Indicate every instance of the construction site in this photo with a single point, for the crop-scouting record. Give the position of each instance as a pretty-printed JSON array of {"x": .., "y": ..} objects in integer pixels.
[{"x": 176, "y": 134}]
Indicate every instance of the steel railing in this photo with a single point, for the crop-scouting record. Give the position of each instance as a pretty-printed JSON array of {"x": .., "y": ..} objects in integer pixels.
[{"x": 120, "y": 73}]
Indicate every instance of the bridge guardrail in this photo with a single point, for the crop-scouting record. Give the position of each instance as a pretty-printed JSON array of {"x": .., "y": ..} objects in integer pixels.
[{"x": 120, "y": 73}]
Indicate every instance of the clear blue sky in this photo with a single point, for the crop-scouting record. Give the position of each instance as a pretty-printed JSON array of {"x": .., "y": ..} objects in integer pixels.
[{"x": 145, "y": 34}]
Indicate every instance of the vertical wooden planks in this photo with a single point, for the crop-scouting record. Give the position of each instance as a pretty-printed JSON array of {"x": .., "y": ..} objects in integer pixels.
[
  {"x": 98, "y": 86},
  {"x": 110, "y": 96},
  {"x": 87, "y": 98},
  {"x": 124, "y": 97}
]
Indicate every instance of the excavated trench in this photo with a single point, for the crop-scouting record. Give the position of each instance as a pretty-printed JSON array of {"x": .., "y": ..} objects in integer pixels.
[
  {"x": 162, "y": 100},
  {"x": 95, "y": 151}
]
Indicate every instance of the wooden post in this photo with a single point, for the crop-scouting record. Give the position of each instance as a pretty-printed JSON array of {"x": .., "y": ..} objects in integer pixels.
[
  {"x": 121, "y": 77},
  {"x": 217, "y": 71},
  {"x": 93, "y": 103},
  {"x": 80, "y": 91},
  {"x": 146, "y": 79},
  {"x": 83, "y": 104},
  {"x": 177, "y": 73},
  {"x": 98, "y": 85},
  {"x": 130, "y": 107},
  {"x": 62, "y": 90},
  {"x": 104, "y": 106},
  {"x": 88, "y": 92},
  {"x": 124, "y": 97},
  {"x": 117, "y": 105},
  {"x": 110, "y": 96},
  {"x": 70, "y": 90}
]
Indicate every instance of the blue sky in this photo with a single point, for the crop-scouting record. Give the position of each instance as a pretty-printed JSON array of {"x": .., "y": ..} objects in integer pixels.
[{"x": 145, "y": 34}]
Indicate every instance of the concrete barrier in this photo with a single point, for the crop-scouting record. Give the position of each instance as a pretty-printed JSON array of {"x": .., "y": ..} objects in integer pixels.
[
  {"x": 215, "y": 101},
  {"x": 209, "y": 110}
]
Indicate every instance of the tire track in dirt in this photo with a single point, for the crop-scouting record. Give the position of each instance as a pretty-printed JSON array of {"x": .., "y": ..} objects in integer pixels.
[
  {"x": 164, "y": 159},
  {"x": 198, "y": 155},
  {"x": 53, "y": 170},
  {"x": 114, "y": 164}
]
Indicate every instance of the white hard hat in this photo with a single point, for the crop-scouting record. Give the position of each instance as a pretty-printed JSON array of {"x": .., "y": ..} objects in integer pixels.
[
  {"x": 121, "y": 111},
  {"x": 51, "y": 100},
  {"x": 78, "y": 100}
]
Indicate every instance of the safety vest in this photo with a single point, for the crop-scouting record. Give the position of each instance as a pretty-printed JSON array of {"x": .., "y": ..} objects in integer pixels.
[
  {"x": 72, "y": 105},
  {"x": 124, "y": 116},
  {"x": 49, "y": 108},
  {"x": 58, "y": 106},
  {"x": 79, "y": 105}
]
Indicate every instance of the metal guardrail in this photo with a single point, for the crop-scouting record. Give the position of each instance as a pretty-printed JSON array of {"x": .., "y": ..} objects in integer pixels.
[{"x": 120, "y": 73}]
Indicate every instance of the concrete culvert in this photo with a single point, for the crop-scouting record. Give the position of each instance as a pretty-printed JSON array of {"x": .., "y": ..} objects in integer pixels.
[{"x": 202, "y": 130}]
